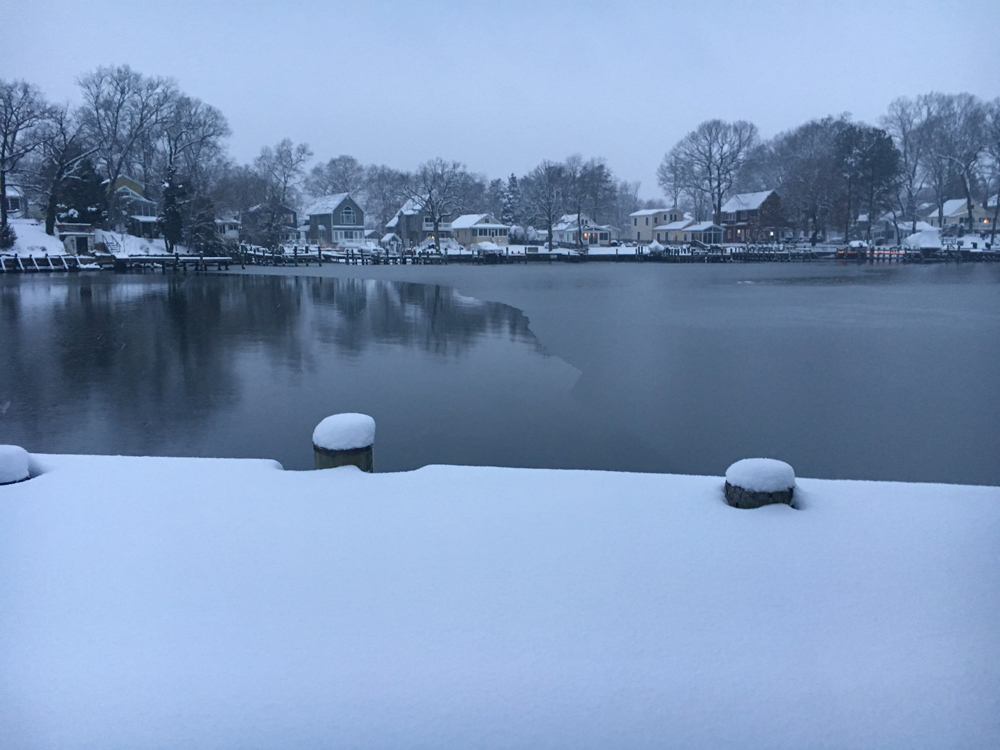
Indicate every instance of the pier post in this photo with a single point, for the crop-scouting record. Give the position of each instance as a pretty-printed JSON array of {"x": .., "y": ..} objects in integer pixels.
[
  {"x": 345, "y": 440},
  {"x": 756, "y": 482},
  {"x": 13, "y": 464}
]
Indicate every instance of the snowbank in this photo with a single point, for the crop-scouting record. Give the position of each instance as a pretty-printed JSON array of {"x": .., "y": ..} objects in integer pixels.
[
  {"x": 13, "y": 464},
  {"x": 761, "y": 475},
  {"x": 128, "y": 245},
  {"x": 32, "y": 240},
  {"x": 151, "y": 603},
  {"x": 928, "y": 239},
  {"x": 342, "y": 432}
]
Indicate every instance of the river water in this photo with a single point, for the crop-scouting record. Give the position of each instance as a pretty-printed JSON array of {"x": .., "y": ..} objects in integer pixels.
[{"x": 845, "y": 372}]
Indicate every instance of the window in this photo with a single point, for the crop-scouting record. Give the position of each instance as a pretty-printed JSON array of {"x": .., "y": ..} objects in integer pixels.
[
  {"x": 647, "y": 221},
  {"x": 13, "y": 204},
  {"x": 347, "y": 215},
  {"x": 635, "y": 221}
]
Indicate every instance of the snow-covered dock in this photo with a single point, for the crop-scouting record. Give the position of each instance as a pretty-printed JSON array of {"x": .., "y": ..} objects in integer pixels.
[{"x": 199, "y": 603}]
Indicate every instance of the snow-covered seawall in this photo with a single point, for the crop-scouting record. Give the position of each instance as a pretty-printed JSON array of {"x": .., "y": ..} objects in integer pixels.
[{"x": 195, "y": 603}]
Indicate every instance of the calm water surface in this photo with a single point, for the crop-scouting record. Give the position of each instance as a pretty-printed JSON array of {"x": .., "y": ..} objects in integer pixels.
[{"x": 844, "y": 372}]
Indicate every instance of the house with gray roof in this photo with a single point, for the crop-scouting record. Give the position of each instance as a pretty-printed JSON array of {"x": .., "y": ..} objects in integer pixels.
[{"x": 334, "y": 220}]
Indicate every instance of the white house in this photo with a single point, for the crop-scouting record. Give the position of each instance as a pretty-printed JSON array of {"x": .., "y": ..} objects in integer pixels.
[
  {"x": 956, "y": 212},
  {"x": 17, "y": 205},
  {"x": 566, "y": 232},
  {"x": 474, "y": 229},
  {"x": 646, "y": 221}
]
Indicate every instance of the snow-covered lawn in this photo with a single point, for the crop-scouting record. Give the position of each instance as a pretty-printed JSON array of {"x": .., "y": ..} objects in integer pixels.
[
  {"x": 127, "y": 245},
  {"x": 154, "y": 603},
  {"x": 32, "y": 240}
]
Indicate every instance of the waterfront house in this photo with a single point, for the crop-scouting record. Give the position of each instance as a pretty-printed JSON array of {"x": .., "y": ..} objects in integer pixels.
[
  {"x": 645, "y": 222},
  {"x": 473, "y": 229},
  {"x": 673, "y": 233},
  {"x": 956, "y": 213},
  {"x": 703, "y": 232},
  {"x": 751, "y": 217},
  {"x": 413, "y": 225},
  {"x": 17, "y": 204},
  {"x": 566, "y": 232},
  {"x": 335, "y": 219}
]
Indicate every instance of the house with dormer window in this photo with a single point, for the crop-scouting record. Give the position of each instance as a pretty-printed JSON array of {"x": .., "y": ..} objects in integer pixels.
[{"x": 335, "y": 219}]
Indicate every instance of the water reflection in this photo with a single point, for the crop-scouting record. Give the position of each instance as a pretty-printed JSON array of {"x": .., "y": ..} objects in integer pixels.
[{"x": 195, "y": 365}]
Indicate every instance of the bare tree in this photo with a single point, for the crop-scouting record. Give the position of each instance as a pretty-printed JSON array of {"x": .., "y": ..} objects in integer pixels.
[
  {"x": 342, "y": 174},
  {"x": 906, "y": 122},
  {"x": 120, "y": 109},
  {"x": 544, "y": 188},
  {"x": 384, "y": 190},
  {"x": 710, "y": 157},
  {"x": 993, "y": 150},
  {"x": 22, "y": 111},
  {"x": 283, "y": 166},
  {"x": 436, "y": 189}
]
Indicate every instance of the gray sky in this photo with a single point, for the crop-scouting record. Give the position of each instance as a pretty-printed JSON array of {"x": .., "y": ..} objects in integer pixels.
[{"x": 501, "y": 86}]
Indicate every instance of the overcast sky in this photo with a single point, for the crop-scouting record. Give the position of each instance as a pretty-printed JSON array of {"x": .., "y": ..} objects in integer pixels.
[{"x": 501, "y": 86}]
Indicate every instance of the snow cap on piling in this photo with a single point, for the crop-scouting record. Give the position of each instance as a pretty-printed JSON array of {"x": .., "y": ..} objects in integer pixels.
[
  {"x": 343, "y": 432},
  {"x": 13, "y": 464},
  {"x": 761, "y": 475}
]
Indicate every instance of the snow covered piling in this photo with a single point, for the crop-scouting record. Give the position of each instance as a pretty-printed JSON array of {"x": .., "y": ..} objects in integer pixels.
[
  {"x": 13, "y": 464},
  {"x": 755, "y": 482},
  {"x": 345, "y": 440}
]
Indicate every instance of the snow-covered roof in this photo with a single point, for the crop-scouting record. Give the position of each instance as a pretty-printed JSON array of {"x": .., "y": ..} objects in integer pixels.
[
  {"x": 12, "y": 191},
  {"x": 703, "y": 226},
  {"x": 648, "y": 211},
  {"x": 144, "y": 219},
  {"x": 327, "y": 204},
  {"x": 953, "y": 207},
  {"x": 390, "y": 237},
  {"x": 128, "y": 193},
  {"x": 745, "y": 202},
  {"x": 465, "y": 221},
  {"x": 674, "y": 225}
]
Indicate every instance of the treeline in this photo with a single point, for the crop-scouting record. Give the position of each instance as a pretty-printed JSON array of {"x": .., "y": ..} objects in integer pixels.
[
  {"x": 828, "y": 172},
  {"x": 68, "y": 159}
]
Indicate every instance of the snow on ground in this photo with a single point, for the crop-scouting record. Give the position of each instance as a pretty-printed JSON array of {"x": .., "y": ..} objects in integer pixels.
[
  {"x": 127, "y": 245},
  {"x": 228, "y": 604},
  {"x": 32, "y": 240}
]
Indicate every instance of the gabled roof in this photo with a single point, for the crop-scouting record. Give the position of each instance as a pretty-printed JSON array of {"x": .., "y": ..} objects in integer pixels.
[
  {"x": 674, "y": 225},
  {"x": 410, "y": 208},
  {"x": 327, "y": 204},
  {"x": 745, "y": 202},
  {"x": 465, "y": 221},
  {"x": 703, "y": 226},
  {"x": 953, "y": 207},
  {"x": 651, "y": 211}
]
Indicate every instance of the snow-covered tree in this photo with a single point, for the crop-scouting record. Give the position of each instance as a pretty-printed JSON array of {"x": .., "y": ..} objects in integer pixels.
[
  {"x": 436, "y": 188},
  {"x": 545, "y": 189},
  {"x": 22, "y": 111}
]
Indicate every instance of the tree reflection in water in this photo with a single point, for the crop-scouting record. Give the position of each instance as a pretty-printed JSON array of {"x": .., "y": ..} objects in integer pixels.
[{"x": 141, "y": 364}]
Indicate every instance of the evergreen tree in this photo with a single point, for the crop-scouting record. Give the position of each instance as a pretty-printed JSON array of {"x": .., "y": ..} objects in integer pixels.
[
  {"x": 511, "y": 201},
  {"x": 202, "y": 234},
  {"x": 82, "y": 196},
  {"x": 170, "y": 220}
]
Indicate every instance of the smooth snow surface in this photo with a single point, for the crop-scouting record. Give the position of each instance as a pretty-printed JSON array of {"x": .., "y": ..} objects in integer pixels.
[
  {"x": 13, "y": 464},
  {"x": 929, "y": 239},
  {"x": 195, "y": 603},
  {"x": 761, "y": 475},
  {"x": 345, "y": 431},
  {"x": 32, "y": 240}
]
